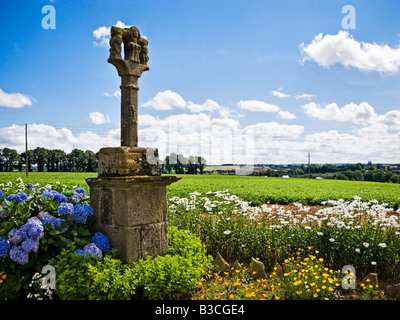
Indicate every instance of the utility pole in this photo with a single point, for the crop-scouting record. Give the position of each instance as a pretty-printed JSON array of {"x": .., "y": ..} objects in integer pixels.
[
  {"x": 73, "y": 156},
  {"x": 26, "y": 150},
  {"x": 309, "y": 164}
]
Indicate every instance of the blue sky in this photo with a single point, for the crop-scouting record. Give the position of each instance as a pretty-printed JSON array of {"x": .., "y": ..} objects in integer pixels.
[{"x": 234, "y": 81}]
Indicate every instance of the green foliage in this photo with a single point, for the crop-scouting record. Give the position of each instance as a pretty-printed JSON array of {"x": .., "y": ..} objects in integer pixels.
[
  {"x": 172, "y": 276},
  {"x": 88, "y": 278},
  {"x": 176, "y": 274}
]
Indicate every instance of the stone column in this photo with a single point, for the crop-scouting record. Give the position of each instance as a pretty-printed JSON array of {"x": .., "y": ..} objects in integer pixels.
[
  {"x": 129, "y": 196},
  {"x": 129, "y": 110}
]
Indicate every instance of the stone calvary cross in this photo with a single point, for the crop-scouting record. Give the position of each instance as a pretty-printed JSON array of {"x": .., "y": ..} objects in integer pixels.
[{"x": 129, "y": 197}]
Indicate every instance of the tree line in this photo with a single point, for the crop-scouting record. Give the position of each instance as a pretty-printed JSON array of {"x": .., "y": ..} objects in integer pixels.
[
  {"x": 356, "y": 172},
  {"x": 77, "y": 160},
  {"x": 178, "y": 164},
  {"x": 54, "y": 160}
]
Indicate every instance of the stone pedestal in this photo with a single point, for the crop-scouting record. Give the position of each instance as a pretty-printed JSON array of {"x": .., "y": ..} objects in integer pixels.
[{"x": 132, "y": 212}]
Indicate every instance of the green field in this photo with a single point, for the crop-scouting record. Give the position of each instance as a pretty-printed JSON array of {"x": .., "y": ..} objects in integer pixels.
[{"x": 250, "y": 188}]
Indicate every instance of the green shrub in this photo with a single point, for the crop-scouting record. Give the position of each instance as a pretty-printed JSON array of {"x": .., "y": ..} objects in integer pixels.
[
  {"x": 176, "y": 274},
  {"x": 164, "y": 277},
  {"x": 36, "y": 223},
  {"x": 88, "y": 278}
]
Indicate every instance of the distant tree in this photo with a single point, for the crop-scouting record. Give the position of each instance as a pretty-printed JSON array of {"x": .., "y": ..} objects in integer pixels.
[
  {"x": 91, "y": 161},
  {"x": 10, "y": 158},
  {"x": 40, "y": 158}
]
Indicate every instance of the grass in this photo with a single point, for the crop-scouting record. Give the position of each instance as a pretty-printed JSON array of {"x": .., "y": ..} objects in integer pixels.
[{"x": 257, "y": 190}]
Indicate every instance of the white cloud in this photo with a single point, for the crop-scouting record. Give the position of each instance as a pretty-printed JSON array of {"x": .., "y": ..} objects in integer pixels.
[
  {"x": 165, "y": 100},
  {"x": 168, "y": 100},
  {"x": 391, "y": 119},
  {"x": 286, "y": 115},
  {"x": 14, "y": 100},
  {"x": 305, "y": 96},
  {"x": 258, "y": 106},
  {"x": 103, "y": 34},
  {"x": 116, "y": 94},
  {"x": 98, "y": 118},
  {"x": 278, "y": 93},
  {"x": 45, "y": 136},
  {"x": 276, "y": 130},
  {"x": 344, "y": 49},
  {"x": 352, "y": 112}
]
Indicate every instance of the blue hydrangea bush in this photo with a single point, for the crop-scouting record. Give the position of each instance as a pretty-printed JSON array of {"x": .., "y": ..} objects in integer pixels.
[{"x": 36, "y": 223}]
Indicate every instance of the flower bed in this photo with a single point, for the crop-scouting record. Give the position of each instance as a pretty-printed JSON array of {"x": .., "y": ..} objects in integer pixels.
[{"x": 363, "y": 234}]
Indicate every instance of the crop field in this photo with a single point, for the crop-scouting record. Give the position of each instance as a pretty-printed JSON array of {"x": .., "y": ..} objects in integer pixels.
[
  {"x": 256, "y": 190},
  {"x": 259, "y": 190}
]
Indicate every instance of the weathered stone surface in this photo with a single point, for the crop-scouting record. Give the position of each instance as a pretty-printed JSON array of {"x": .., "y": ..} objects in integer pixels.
[
  {"x": 129, "y": 68},
  {"x": 221, "y": 264},
  {"x": 393, "y": 291},
  {"x": 258, "y": 269},
  {"x": 129, "y": 196},
  {"x": 371, "y": 279},
  {"x": 128, "y": 161},
  {"x": 278, "y": 269},
  {"x": 236, "y": 265},
  {"x": 132, "y": 213}
]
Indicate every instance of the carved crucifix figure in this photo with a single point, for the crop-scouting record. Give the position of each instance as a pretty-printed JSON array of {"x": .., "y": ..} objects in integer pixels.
[{"x": 130, "y": 69}]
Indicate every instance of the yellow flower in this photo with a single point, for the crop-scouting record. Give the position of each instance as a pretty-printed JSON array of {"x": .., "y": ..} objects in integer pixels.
[
  {"x": 315, "y": 295},
  {"x": 277, "y": 298},
  {"x": 330, "y": 289},
  {"x": 298, "y": 292},
  {"x": 326, "y": 298},
  {"x": 231, "y": 296},
  {"x": 321, "y": 260}
]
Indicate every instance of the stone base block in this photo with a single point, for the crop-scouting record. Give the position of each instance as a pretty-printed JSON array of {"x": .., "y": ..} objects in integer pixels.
[
  {"x": 132, "y": 213},
  {"x": 128, "y": 161}
]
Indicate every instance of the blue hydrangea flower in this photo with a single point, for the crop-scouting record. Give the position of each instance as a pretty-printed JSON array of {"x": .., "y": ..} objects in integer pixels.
[
  {"x": 29, "y": 186},
  {"x": 15, "y": 236},
  {"x": 30, "y": 245},
  {"x": 19, "y": 197},
  {"x": 80, "y": 252},
  {"x": 80, "y": 191},
  {"x": 33, "y": 228},
  {"x": 93, "y": 250},
  {"x": 19, "y": 255},
  {"x": 4, "y": 246},
  {"x": 65, "y": 208},
  {"x": 101, "y": 241},
  {"x": 3, "y": 213},
  {"x": 47, "y": 218},
  {"x": 81, "y": 212},
  {"x": 58, "y": 197},
  {"x": 1, "y": 194}
]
